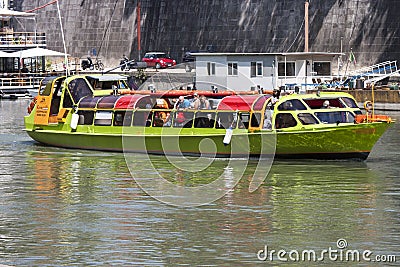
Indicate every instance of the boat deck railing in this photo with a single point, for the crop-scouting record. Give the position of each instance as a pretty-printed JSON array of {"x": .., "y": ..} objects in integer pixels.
[
  {"x": 304, "y": 83},
  {"x": 21, "y": 81},
  {"x": 22, "y": 39}
]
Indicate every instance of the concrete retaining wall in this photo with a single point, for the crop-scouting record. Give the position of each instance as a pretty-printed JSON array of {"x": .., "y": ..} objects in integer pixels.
[{"x": 370, "y": 27}]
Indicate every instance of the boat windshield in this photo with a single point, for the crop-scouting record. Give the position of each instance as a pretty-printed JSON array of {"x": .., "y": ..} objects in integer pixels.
[
  {"x": 78, "y": 88},
  {"x": 45, "y": 85},
  {"x": 293, "y": 104},
  {"x": 350, "y": 102}
]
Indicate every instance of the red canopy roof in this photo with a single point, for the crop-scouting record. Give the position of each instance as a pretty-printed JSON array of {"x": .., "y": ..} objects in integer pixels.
[
  {"x": 237, "y": 102},
  {"x": 128, "y": 101}
]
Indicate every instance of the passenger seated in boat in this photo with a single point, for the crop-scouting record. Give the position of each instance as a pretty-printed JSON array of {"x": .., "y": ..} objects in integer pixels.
[
  {"x": 182, "y": 103},
  {"x": 167, "y": 119},
  {"x": 326, "y": 104},
  {"x": 196, "y": 101},
  {"x": 267, "y": 120},
  {"x": 287, "y": 106},
  {"x": 204, "y": 103},
  {"x": 284, "y": 120},
  {"x": 179, "y": 119}
]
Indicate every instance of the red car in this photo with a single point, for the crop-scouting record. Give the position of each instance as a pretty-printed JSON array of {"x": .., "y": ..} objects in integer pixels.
[{"x": 158, "y": 60}]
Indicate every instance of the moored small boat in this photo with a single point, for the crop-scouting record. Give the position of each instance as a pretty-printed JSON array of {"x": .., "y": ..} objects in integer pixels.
[{"x": 70, "y": 112}]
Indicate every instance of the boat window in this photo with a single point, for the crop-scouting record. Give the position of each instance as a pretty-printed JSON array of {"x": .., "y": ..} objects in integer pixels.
[
  {"x": 214, "y": 102},
  {"x": 226, "y": 120},
  {"x": 67, "y": 101},
  {"x": 162, "y": 118},
  {"x": 142, "y": 118},
  {"x": 183, "y": 119},
  {"x": 204, "y": 120},
  {"x": 122, "y": 118},
  {"x": 350, "y": 102},
  {"x": 78, "y": 89},
  {"x": 45, "y": 90},
  {"x": 85, "y": 117},
  {"x": 56, "y": 98},
  {"x": 307, "y": 118},
  {"x": 293, "y": 104},
  {"x": 284, "y": 120},
  {"x": 145, "y": 103},
  {"x": 267, "y": 125},
  {"x": 318, "y": 103},
  {"x": 335, "y": 117},
  {"x": 255, "y": 120},
  {"x": 103, "y": 118},
  {"x": 244, "y": 120},
  {"x": 260, "y": 102},
  {"x": 106, "y": 85}
]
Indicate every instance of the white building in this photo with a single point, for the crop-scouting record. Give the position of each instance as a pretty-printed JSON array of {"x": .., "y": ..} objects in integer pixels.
[{"x": 247, "y": 71}]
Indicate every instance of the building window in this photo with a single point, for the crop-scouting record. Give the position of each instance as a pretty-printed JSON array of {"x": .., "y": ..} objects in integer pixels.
[
  {"x": 256, "y": 69},
  {"x": 232, "y": 68},
  {"x": 290, "y": 68},
  {"x": 322, "y": 68},
  {"x": 210, "y": 68}
]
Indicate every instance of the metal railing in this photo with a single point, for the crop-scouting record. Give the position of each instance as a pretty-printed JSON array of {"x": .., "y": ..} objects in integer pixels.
[
  {"x": 14, "y": 82},
  {"x": 308, "y": 82},
  {"x": 22, "y": 39}
]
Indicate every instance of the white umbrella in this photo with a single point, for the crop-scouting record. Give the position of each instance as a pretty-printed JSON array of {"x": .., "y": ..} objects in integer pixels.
[
  {"x": 36, "y": 52},
  {"x": 5, "y": 54},
  {"x": 7, "y": 13}
]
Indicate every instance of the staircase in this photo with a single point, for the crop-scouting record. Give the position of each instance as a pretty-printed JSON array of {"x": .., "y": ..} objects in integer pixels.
[{"x": 374, "y": 73}]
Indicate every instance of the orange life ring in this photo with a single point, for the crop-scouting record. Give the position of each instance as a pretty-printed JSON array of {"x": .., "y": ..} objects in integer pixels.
[{"x": 368, "y": 105}]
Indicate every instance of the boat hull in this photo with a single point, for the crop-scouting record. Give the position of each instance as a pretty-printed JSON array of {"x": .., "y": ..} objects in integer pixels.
[{"x": 341, "y": 142}]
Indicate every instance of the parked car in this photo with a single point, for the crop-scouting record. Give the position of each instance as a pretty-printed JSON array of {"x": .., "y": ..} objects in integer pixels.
[{"x": 158, "y": 60}]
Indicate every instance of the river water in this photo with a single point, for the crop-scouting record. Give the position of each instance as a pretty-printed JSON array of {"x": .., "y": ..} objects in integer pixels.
[{"x": 62, "y": 207}]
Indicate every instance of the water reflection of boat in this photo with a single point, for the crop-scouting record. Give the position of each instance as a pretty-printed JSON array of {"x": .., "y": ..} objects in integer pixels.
[{"x": 70, "y": 112}]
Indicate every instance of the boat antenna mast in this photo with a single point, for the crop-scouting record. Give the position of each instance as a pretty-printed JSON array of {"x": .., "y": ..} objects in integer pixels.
[
  {"x": 63, "y": 39},
  {"x": 306, "y": 5}
]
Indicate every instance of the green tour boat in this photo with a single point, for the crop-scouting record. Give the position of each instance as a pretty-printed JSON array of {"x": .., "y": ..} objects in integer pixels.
[{"x": 101, "y": 113}]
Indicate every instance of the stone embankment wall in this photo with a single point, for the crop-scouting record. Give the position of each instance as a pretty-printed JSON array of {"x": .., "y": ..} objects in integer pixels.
[
  {"x": 369, "y": 27},
  {"x": 380, "y": 96}
]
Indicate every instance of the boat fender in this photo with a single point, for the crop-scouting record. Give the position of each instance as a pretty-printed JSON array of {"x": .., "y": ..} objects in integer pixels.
[
  {"x": 228, "y": 136},
  {"x": 368, "y": 105},
  {"x": 74, "y": 121}
]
